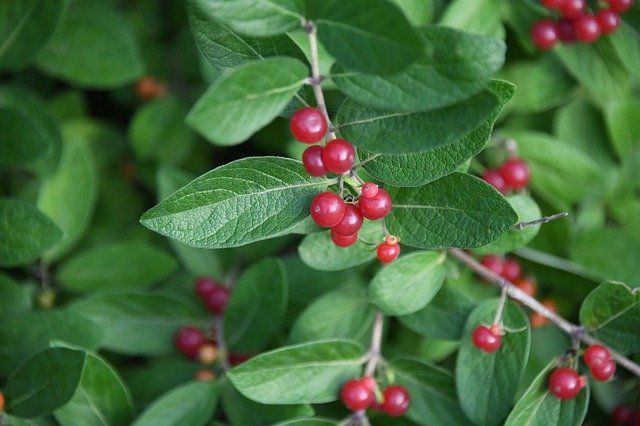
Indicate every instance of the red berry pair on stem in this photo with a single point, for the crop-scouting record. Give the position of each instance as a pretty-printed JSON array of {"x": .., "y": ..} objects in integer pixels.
[
  {"x": 565, "y": 383},
  {"x": 507, "y": 267},
  {"x": 359, "y": 394},
  {"x": 512, "y": 175},
  {"x": 601, "y": 365},
  {"x": 214, "y": 295}
]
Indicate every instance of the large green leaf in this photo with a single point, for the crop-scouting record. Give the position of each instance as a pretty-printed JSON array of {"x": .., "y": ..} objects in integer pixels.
[
  {"x": 455, "y": 66},
  {"x": 408, "y": 284},
  {"x": 101, "y": 397},
  {"x": 15, "y": 297},
  {"x": 538, "y": 407},
  {"x": 432, "y": 390},
  {"x": 612, "y": 313},
  {"x": 92, "y": 47},
  {"x": 307, "y": 373},
  {"x": 44, "y": 382},
  {"x": 224, "y": 48},
  {"x": 137, "y": 324},
  {"x": 26, "y": 232},
  {"x": 257, "y": 306},
  {"x": 371, "y": 36},
  {"x": 623, "y": 122},
  {"x": 432, "y": 216},
  {"x": 189, "y": 404},
  {"x": 390, "y": 132},
  {"x": 249, "y": 97},
  {"x": 418, "y": 169},
  {"x": 241, "y": 202},
  {"x": 477, "y": 16},
  {"x": 25, "y": 27},
  {"x": 127, "y": 266},
  {"x": 487, "y": 382}
]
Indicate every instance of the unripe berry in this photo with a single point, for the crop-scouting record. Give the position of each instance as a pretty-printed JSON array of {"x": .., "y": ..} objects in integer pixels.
[
  {"x": 544, "y": 34},
  {"x": 343, "y": 240},
  {"x": 338, "y": 156},
  {"x": 189, "y": 340},
  {"x": 486, "y": 339},
  {"x": 387, "y": 253},
  {"x": 308, "y": 125},
  {"x": 527, "y": 285},
  {"x": 565, "y": 383},
  {"x": 150, "y": 88},
  {"x": 217, "y": 300},
  {"x": 205, "y": 375},
  {"x": 369, "y": 190},
  {"x": 312, "y": 161},
  {"x": 351, "y": 221},
  {"x": 355, "y": 395},
  {"x": 2, "y": 403},
  {"x": 587, "y": 28},
  {"x": 396, "y": 400},
  {"x": 515, "y": 173},
  {"x": 376, "y": 207},
  {"x": 608, "y": 21},
  {"x": 495, "y": 179},
  {"x": 208, "y": 354},
  {"x": 538, "y": 320},
  {"x": 327, "y": 209}
]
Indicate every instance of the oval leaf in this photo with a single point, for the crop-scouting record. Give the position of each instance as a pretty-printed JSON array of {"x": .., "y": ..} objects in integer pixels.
[{"x": 433, "y": 215}]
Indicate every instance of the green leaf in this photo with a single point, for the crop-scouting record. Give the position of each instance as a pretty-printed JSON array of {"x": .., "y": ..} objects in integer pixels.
[
  {"x": 342, "y": 313},
  {"x": 408, "y": 284},
  {"x": 308, "y": 373},
  {"x": 418, "y": 169},
  {"x": 246, "y": 99},
  {"x": 443, "y": 318},
  {"x": 25, "y": 27},
  {"x": 476, "y": 16},
  {"x": 612, "y": 313},
  {"x": 68, "y": 196},
  {"x": 432, "y": 390},
  {"x": 514, "y": 238},
  {"x": 255, "y": 312},
  {"x": 538, "y": 407},
  {"x": 371, "y": 36},
  {"x": 626, "y": 42},
  {"x": 15, "y": 297},
  {"x": 623, "y": 122},
  {"x": 454, "y": 66},
  {"x": 308, "y": 422},
  {"x": 432, "y": 216},
  {"x": 123, "y": 266},
  {"x": 319, "y": 252},
  {"x": 389, "y": 132},
  {"x": 26, "y": 232},
  {"x": 101, "y": 397},
  {"x": 137, "y": 324},
  {"x": 487, "y": 382},
  {"x": 44, "y": 382},
  {"x": 248, "y": 200},
  {"x": 189, "y": 404},
  {"x": 92, "y": 47},
  {"x": 225, "y": 49}
]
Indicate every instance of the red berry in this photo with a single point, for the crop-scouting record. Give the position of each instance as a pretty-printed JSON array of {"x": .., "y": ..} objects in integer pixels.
[
  {"x": 369, "y": 190},
  {"x": 308, "y": 125},
  {"x": 188, "y": 340},
  {"x": 376, "y": 207},
  {"x": 572, "y": 9},
  {"x": 351, "y": 221},
  {"x": 605, "y": 371},
  {"x": 312, "y": 161},
  {"x": 596, "y": 356},
  {"x": 396, "y": 400},
  {"x": 327, "y": 209},
  {"x": 621, "y": 415},
  {"x": 553, "y": 4},
  {"x": 620, "y": 5},
  {"x": 217, "y": 300},
  {"x": 485, "y": 339},
  {"x": 369, "y": 382},
  {"x": 587, "y": 28},
  {"x": 565, "y": 383},
  {"x": 338, "y": 156},
  {"x": 608, "y": 21},
  {"x": 515, "y": 173},
  {"x": 343, "y": 240},
  {"x": 493, "y": 263},
  {"x": 544, "y": 34},
  {"x": 527, "y": 285},
  {"x": 387, "y": 253},
  {"x": 355, "y": 395},
  {"x": 511, "y": 269},
  {"x": 205, "y": 286},
  {"x": 493, "y": 178},
  {"x": 566, "y": 32}
]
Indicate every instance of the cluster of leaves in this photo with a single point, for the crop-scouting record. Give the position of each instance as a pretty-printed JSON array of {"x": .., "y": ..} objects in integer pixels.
[{"x": 417, "y": 87}]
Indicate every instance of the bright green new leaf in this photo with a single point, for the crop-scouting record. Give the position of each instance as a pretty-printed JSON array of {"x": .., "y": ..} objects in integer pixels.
[
  {"x": 623, "y": 122},
  {"x": 241, "y": 202},
  {"x": 432, "y": 216},
  {"x": 307, "y": 373},
  {"x": 476, "y": 16}
]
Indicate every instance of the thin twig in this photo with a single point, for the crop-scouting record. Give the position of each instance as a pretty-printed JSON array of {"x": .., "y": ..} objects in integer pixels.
[
  {"x": 221, "y": 342},
  {"x": 503, "y": 301},
  {"x": 573, "y": 330},
  {"x": 544, "y": 219},
  {"x": 376, "y": 343}
]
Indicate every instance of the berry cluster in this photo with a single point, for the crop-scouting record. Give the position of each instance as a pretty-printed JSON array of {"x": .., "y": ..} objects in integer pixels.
[
  {"x": 601, "y": 365},
  {"x": 623, "y": 415},
  {"x": 576, "y": 23},
  {"x": 513, "y": 174},
  {"x": 214, "y": 295},
  {"x": 360, "y": 394},
  {"x": 328, "y": 209}
]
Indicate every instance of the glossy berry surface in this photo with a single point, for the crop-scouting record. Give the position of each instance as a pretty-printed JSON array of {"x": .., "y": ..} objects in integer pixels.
[
  {"x": 355, "y": 395},
  {"x": 515, "y": 173},
  {"x": 338, "y": 156},
  {"x": 587, "y": 28},
  {"x": 511, "y": 269},
  {"x": 308, "y": 125},
  {"x": 343, "y": 240},
  {"x": 566, "y": 32},
  {"x": 327, "y": 209},
  {"x": 396, "y": 400},
  {"x": 604, "y": 372},
  {"x": 495, "y": 179},
  {"x": 312, "y": 161},
  {"x": 493, "y": 263},
  {"x": 527, "y": 285},
  {"x": 486, "y": 339},
  {"x": 376, "y": 207},
  {"x": 552, "y": 4},
  {"x": 351, "y": 221},
  {"x": 369, "y": 382},
  {"x": 217, "y": 300},
  {"x": 621, "y": 415},
  {"x": 565, "y": 383},
  {"x": 620, "y": 5},
  {"x": 544, "y": 34},
  {"x": 572, "y": 9},
  {"x": 369, "y": 190},
  {"x": 188, "y": 340},
  {"x": 387, "y": 253},
  {"x": 596, "y": 355},
  {"x": 205, "y": 286},
  {"x": 608, "y": 21}
]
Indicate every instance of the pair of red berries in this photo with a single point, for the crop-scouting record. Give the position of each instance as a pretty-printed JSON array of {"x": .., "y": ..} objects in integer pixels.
[
  {"x": 507, "y": 267},
  {"x": 623, "y": 415},
  {"x": 565, "y": 383},
  {"x": 601, "y": 365},
  {"x": 359, "y": 394},
  {"x": 192, "y": 342},
  {"x": 215, "y": 296},
  {"x": 514, "y": 174},
  {"x": 487, "y": 339}
]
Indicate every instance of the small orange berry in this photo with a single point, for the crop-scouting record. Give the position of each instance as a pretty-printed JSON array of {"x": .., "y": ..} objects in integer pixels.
[
  {"x": 205, "y": 375},
  {"x": 527, "y": 285},
  {"x": 1, "y": 402},
  {"x": 150, "y": 88},
  {"x": 538, "y": 320},
  {"x": 208, "y": 353}
]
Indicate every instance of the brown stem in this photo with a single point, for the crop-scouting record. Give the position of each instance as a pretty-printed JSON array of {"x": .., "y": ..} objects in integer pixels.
[
  {"x": 376, "y": 344},
  {"x": 544, "y": 219},
  {"x": 221, "y": 342}
]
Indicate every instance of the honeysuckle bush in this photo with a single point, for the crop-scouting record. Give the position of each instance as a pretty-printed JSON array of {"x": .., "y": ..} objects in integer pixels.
[{"x": 144, "y": 148}]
